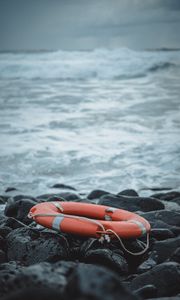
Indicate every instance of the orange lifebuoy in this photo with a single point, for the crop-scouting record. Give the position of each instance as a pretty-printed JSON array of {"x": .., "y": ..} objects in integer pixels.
[{"x": 91, "y": 220}]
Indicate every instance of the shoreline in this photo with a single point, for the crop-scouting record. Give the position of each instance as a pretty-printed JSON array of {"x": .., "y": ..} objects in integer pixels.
[{"x": 67, "y": 266}]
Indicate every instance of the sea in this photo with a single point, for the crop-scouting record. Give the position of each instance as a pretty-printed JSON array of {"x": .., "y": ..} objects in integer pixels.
[{"x": 100, "y": 119}]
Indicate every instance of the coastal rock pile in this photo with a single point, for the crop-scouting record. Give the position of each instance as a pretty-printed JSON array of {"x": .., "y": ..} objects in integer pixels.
[{"x": 42, "y": 263}]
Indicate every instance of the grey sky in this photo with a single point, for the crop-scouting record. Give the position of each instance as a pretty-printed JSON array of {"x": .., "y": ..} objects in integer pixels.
[{"x": 87, "y": 24}]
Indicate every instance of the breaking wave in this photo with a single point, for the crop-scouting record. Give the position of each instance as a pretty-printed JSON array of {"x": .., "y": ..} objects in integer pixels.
[{"x": 84, "y": 65}]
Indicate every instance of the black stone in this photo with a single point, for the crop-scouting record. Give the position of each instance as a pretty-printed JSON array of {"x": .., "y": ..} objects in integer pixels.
[
  {"x": 3, "y": 199},
  {"x": 107, "y": 258},
  {"x": 161, "y": 225},
  {"x": 165, "y": 298},
  {"x": 42, "y": 275},
  {"x": 147, "y": 291},
  {"x": 2, "y": 256},
  {"x": 165, "y": 277},
  {"x": 132, "y": 203},
  {"x": 167, "y": 196},
  {"x": 175, "y": 256},
  {"x": 4, "y": 230},
  {"x": 28, "y": 247},
  {"x": 129, "y": 192},
  {"x": 19, "y": 209},
  {"x": 63, "y": 186},
  {"x": 97, "y": 283},
  {"x": 66, "y": 196},
  {"x": 8, "y": 272},
  {"x": 170, "y": 217},
  {"x": 30, "y": 293},
  {"x": 22, "y": 197},
  {"x": 147, "y": 265},
  {"x": 176, "y": 200},
  {"x": 162, "y": 234},
  {"x": 2, "y": 243},
  {"x": 10, "y": 189},
  {"x": 161, "y": 251},
  {"x": 96, "y": 194}
]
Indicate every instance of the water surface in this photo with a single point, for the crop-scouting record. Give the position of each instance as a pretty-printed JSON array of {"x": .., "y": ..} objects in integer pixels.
[{"x": 106, "y": 119}]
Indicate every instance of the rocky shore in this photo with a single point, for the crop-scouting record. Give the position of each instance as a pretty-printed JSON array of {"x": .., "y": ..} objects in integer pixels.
[{"x": 42, "y": 263}]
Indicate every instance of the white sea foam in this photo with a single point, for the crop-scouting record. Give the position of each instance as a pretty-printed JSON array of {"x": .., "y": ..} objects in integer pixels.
[
  {"x": 100, "y": 119},
  {"x": 100, "y": 64}
]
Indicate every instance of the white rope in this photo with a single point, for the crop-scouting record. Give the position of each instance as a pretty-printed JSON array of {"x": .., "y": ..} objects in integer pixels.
[{"x": 128, "y": 251}]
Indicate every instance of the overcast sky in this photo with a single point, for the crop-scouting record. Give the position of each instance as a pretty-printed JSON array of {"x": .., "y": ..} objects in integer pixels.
[{"x": 88, "y": 24}]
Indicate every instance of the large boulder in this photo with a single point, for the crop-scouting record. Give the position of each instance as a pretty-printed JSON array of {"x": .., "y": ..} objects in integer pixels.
[
  {"x": 63, "y": 186},
  {"x": 165, "y": 277},
  {"x": 107, "y": 258},
  {"x": 160, "y": 252},
  {"x": 39, "y": 276},
  {"x": 129, "y": 192},
  {"x": 19, "y": 209},
  {"x": 64, "y": 196},
  {"x": 97, "y": 283},
  {"x": 96, "y": 194},
  {"x": 170, "y": 196},
  {"x": 31, "y": 247},
  {"x": 132, "y": 203},
  {"x": 29, "y": 293},
  {"x": 170, "y": 217}
]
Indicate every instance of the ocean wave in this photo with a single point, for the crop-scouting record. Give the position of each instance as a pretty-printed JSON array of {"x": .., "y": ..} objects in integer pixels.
[
  {"x": 162, "y": 66},
  {"x": 84, "y": 65}
]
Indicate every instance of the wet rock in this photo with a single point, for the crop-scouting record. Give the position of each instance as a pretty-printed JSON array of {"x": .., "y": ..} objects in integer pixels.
[
  {"x": 147, "y": 291},
  {"x": 161, "y": 251},
  {"x": 69, "y": 196},
  {"x": 107, "y": 258},
  {"x": 147, "y": 265},
  {"x": 165, "y": 298},
  {"x": 176, "y": 200},
  {"x": 170, "y": 217},
  {"x": 160, "y": 225},
  {"x": 96, "y": 194},
  {"x": 30, "y": 293},
  {"x": 42, "y": 275},
  {"x": 3, "y": 199},
  {"x": 12, "y": 267},
  {"x": 2, "y": 243},
  {"x": 4, "y": 231},
  {"x": 66, "y": 196},
  {"x": 19, "y": 209},
  {"x": 10, "y": 189},
  {"x": 157, "y": 195},
  {"x": 97, "y": 283},
  {"x": 133, "y": 246},
  {"x": 22, "y": 197},
  {"x": 132, "y": 203},
  {"x": 162, "y": 234},
  {"x": 156, "y": 189},
  {"x": 3, "y": 220},
  {"x": 129, "y": 192},
  {"x": 167, "y": 196},
  {"x": 8, "y": 271},
  {"x": 63, "y": 186},
  {"x": 175, "y": 256},
  {"x": 2, "y": 256},
  {"x": 165, "y": 277},
  {"x": 28, "y": 247}
]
